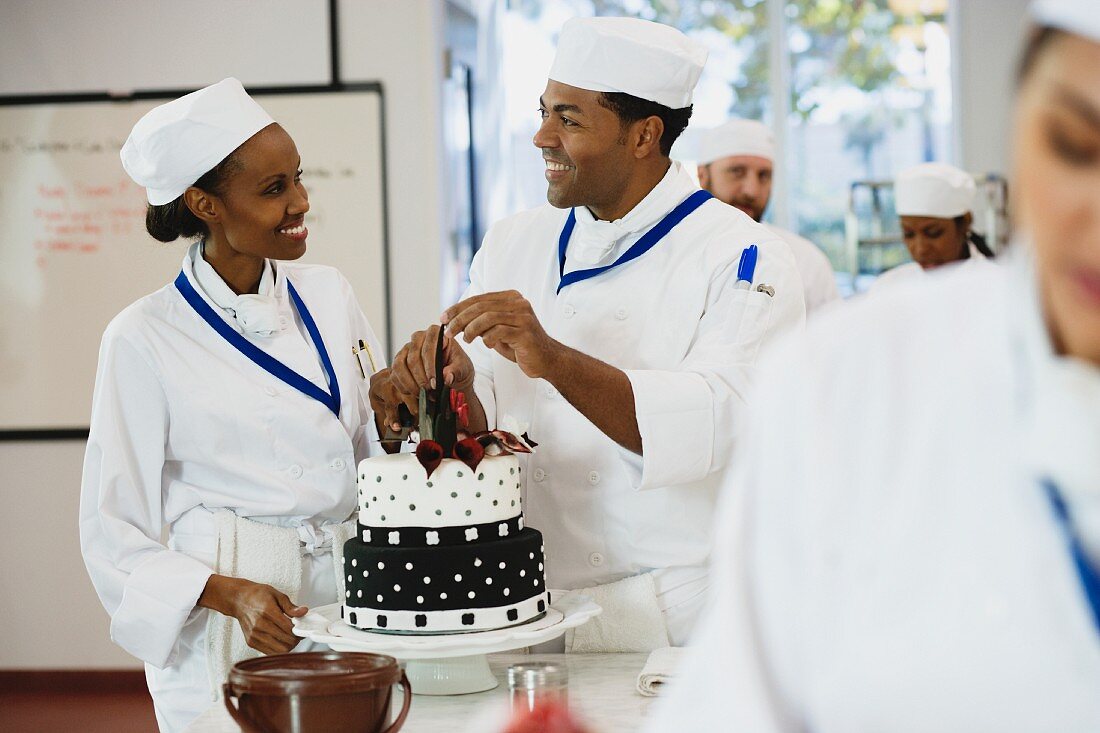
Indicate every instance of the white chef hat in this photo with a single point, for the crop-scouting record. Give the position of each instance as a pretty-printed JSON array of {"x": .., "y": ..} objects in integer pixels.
[
  {"x": 1080, "y": 17},
  {"x": 636, "y": 57},
  {"x": 737, "y": 137},
  {"x": 174, "y": 144},
  {"x": 934, "y": 189}
]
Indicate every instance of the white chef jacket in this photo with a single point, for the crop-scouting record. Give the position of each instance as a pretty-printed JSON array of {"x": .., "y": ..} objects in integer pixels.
[
  {"x": 818, "y": 278},
  {"x": 687, "y": 340},
  {"x": 889, "y": 560},
  {"x": 183, "y": 425},
  {"x": 911, "y": 271}
]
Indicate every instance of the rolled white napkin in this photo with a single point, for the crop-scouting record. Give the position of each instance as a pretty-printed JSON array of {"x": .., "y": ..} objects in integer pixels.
[{"x": 659, "y": 669}]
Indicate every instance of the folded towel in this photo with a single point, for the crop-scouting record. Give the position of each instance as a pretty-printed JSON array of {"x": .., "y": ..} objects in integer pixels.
[
  {"x": 262, "y": 553},
  {"x": 631, "y": 620},
  {"x": 659, "y": 669}
]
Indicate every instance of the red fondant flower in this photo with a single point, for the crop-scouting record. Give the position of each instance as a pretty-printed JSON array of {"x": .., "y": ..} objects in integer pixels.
[
  {"x": 470, "y": 452},
  {"x": 511, "y": 442},
  {"x": 460, "y": 408},
  {"x": 430, "y": 455}
]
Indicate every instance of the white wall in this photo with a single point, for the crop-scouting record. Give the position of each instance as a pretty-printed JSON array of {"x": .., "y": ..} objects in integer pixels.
[
  {"x": 51, "y": 615},
  {"x": 987, "y": 37}
]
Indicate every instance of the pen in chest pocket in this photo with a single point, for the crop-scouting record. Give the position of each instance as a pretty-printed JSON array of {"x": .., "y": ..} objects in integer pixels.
[{"x": 359, "y": 351}]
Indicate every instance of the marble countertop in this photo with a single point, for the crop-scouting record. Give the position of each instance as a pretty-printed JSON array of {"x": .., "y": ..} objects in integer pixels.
[{"x": 602, "y": 691}]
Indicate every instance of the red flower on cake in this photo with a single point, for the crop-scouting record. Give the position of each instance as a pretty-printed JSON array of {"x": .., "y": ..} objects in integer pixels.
[
  {"x": 460, "y": 408},
  {"x": 430, "y": 455},
  {"x": 470, "y": 452}
]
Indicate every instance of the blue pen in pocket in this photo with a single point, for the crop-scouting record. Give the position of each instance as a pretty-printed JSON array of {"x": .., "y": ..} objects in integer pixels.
[{"x": 746, "y": 267}]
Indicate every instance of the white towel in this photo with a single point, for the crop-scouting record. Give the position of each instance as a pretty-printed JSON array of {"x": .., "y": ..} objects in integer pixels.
[
  {"x": 631, "y": 620},
  {"x": 262, "y": 553},
  {"x": 659, "y": 669}
]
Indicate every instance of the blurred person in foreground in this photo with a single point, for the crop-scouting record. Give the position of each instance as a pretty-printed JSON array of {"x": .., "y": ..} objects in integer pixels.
[{"x": 929, "y": 560}]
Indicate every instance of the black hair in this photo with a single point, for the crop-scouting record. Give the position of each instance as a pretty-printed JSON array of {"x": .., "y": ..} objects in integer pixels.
[
  {"x": 168, "y": 222},
  {"x": 972, "y": 237},
  {"x": 1037, "y": 41},
  {"x": 631, "y": 109}
]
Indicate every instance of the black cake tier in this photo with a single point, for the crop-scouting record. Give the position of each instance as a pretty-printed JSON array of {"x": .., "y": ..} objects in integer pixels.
[{"x": 445, "y": 588}]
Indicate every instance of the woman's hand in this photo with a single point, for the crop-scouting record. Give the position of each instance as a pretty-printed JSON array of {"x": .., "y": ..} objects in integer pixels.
[
  {"x": 263, "y": 612},
  {"x": 413, "y": 368}
]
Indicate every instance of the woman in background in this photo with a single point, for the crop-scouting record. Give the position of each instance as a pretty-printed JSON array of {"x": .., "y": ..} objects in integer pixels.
[
  {"x": 912, "y": 534},
  {"x": 934, "y": 203},
  {"x": 229, "y": 408}
]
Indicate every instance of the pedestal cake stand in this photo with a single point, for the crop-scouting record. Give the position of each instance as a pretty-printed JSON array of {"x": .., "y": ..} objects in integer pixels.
[{"x": 448, "y": 664}]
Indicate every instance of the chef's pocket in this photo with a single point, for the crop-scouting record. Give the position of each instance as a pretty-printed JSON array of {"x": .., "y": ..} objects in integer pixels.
[{"x": 750, "y": 318}]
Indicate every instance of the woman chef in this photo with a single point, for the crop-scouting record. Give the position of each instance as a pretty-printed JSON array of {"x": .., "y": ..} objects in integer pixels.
[
  {"x": 227, "y": 408},
  {"x": 931, "y": 561},
  {"x": 934, "y": 202}
]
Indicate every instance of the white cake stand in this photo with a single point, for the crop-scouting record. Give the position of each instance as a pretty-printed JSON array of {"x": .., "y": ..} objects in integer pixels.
[{"x": 448, "y": 664}]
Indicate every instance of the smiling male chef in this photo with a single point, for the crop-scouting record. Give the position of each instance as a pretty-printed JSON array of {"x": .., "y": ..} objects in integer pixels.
[{"x": 613, "y": 326}]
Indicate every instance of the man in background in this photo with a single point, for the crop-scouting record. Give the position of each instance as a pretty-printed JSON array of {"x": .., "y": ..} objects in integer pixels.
[{"x": 736, "y": 161}]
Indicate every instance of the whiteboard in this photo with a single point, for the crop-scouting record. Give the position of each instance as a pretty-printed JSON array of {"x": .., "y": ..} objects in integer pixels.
[{"x": 74, "y": 250}]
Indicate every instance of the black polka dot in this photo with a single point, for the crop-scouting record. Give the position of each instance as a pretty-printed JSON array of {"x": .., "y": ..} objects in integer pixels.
[
  {"x": 542, "y": 606},
  {"x": 382, "y": 620},
  {"x": 412, "y": 507},
  {"x": 421, "y": 620},
  {"x": 468, "y": 512},
  {"x": 351, "y": 617},
  {"x": 383, "y": 517},
  {"x": 405, "y": 477},
  {"x": 513, "y": 614},
  {"x": 341, "y": 610},
  {"x": 379, "y": 479},
  {"x": 468, "y": 619},
  {"x": 438, "y": 512},
  {"x": 374, "y": 498},
  {"x": 480, "y": 476},
  {"x": 513, "y": 502},
  {"x": 510, "y": 470},
  {"x": 494, "y": 502},
  {"x": 502, "y": 482},
  {"x": 430, "y": 484},
  {"x": 454, "y": 494},
  {"x": 392, "y": 497},
  {"x": 458, "y": 473},
  {"x": 477, "y": 495}
]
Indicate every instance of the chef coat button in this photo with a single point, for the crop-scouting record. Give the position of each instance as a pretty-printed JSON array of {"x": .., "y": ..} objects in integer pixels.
[
  {"x": 338, "y": 464},
  {"x": 296, "y": 471},
  {"x": 595, "y": 559},
  {"x": 539, "y": 474},
  {"x": 621, "y": 314},
  {"x": 550, "y": 391},
  {"x": 270, "y": 391},
  {"x": 593, "y": 478},
  {"x": 568, "y": 311}
]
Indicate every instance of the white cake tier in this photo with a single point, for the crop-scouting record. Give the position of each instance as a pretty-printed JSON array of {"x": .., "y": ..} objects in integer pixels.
[{"x": 394, "y": 491}]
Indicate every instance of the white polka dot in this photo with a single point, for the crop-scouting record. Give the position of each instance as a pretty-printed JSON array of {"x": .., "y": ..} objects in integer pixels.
[
  {"x": 347, "y": 593},
  {"x": 427, "y": 580},
  {"x": 358, "y": 594},
  {"x": 379, "y": 599},
  {"x": 349, "y": 578},
  {"x": 458, "y": 578},
  {"x": 502, "y": 566},
  {"x": 408, "y": 566},
  {"x": 354, "y": 562},
  {"x": 531, "y": 555},
  {"x": 523, "y": 573},
  {"x": 471, "y": 594},
  {"x": 420, "y": 599},
  {"x": 506, "y": 591},
  {"x": 477, "y": 562},
  {"x": 488, "y": 581},
  {"x": 442, "y": 596},
  {"x": 397, "y": 588},
  {"x": 536, "y": 581},
  {"x": 540, "y": 567},
  {"x": 381, "y": 565}
]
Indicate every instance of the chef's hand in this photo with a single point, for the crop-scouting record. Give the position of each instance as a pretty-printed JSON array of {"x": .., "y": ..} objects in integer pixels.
[
  {"x": 413, "y": 368},
  {"x": 264, "y": 613},
  {"x": 507, "y": 324}
]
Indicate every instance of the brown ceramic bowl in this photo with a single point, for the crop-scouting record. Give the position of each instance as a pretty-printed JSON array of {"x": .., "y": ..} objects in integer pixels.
[{"x": 316, "y": 692}]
